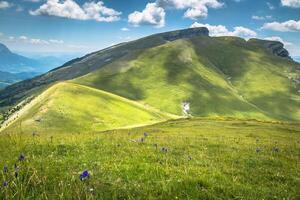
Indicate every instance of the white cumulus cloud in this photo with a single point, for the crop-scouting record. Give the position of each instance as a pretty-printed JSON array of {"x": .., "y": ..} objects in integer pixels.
[
  {"x": 291, "y": 3},
  {"x": 70, "y": 9},
  {"x": 287, "y": 26},
  {"x": 5, "y": 4},
  {"x": 154, "y": 13},
  {"x": 151, "y": 15},
  {"x": 220, "y": 30}
]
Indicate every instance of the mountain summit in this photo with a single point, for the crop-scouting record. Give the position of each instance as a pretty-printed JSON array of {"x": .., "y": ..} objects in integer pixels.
[
  {"x": 151, "y": 78},
  {"x": 4, "y": 49}
]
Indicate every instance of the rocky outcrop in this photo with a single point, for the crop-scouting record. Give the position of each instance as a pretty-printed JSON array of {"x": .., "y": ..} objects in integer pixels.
[
  {"x": 275, "y": 47},
  {"x": 185, "y": 33}
]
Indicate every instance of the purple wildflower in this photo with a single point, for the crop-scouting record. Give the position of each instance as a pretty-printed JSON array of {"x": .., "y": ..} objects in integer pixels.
[
  {"x": 21, "y": 157},
  {"x": 164, "y": 150},
  {"x": 5, "y": 184},
  {"x": 84, "y": 175}
]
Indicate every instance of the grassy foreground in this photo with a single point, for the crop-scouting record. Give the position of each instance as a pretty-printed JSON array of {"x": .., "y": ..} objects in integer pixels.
[{"x": 181, "y": 159}]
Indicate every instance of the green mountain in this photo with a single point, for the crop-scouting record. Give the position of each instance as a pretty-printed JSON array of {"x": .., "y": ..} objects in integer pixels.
[{"x": 146, "y": 81}]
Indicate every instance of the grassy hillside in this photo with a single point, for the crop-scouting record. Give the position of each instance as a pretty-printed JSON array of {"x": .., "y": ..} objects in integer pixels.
[
  {"x": 218, "y": 76},
  {"x": 204, "y": 160},
  {"x": 67, "y": 107}
]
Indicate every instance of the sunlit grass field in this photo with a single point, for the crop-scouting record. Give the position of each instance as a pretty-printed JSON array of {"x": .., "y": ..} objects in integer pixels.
[{"x": 178, "y": 159}]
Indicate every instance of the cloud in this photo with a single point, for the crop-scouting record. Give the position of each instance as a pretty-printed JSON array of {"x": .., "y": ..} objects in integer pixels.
[
  {"x": 151, "y": 15},
  {"x": 70, "y": 9},
  {"x": 56, "y": 41},
  {"x": 125, "y": 29},
  {"x": 287, "y": 26},
  {"x": 154, "y": 13},
  {"x": 291, "y": 3},
  {"x": 5, "y": 4},
  {"x": 34, "y": 41},
  {"x": 220, "y": 30},
  {"x": 194, "y": 8},
  {"x": 23, "y": 37},
  {"x": 255, "y": 17},
  {"x": 33, "y": 1},
  {"x": 270, "y": 6},
  {"x": 279, "y": 39},
  {"x": 38, "y": 41}
]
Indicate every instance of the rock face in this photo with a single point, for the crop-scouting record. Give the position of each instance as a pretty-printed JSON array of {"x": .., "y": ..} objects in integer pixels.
[
  {"x": 277, "y": 48},
  {"x": 185, "y": 33}
]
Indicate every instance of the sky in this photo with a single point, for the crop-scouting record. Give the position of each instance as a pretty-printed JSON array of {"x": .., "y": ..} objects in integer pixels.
[{"x": 78, "y": 26}]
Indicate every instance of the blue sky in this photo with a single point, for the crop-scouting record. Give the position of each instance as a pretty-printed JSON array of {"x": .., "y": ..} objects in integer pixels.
[{"x": 68, "y": 26}]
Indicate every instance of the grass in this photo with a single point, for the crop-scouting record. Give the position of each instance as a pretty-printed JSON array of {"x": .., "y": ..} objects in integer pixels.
[
  {"x": 205, "y": 159},
  {"x": 68, "y": 107}
]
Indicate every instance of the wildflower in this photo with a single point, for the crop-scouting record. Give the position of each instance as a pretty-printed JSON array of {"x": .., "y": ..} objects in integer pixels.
[
  {"x": 258, "y": 150},
  {"x": 5, "y": 184},
  {"x": 84, "y": 175},
  {"x": 276, "y": 149},
  {"x": 21, "y": 157},
  {"x": 164, "y": 150},
  {"x": 5, "y": 169},
  {"x": 142, "y": 139}
]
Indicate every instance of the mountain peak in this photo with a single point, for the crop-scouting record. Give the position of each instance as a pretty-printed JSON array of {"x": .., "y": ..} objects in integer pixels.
[
  {"x": 4, "y": 49},
  {"x": 185, "y": 33}
]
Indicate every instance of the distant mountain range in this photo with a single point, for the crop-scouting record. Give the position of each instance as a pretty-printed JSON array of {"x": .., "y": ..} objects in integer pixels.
[
  {"x": 7, "y": 78},
  {"x": 15, "y": 68}
]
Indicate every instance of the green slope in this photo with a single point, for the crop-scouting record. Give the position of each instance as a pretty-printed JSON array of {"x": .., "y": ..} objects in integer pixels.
[
  {"x": 71, "y": 108},
  {"x": 220, "y": 77}
]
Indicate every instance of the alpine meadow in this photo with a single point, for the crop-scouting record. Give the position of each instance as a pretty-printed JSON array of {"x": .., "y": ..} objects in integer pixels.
[{"x": 191, "y": 112}]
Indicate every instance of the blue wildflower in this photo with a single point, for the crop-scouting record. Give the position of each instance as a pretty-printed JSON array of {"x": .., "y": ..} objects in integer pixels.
[
  {"x": 84, "y": 175},
  {"x": 21, "y": 157}
]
